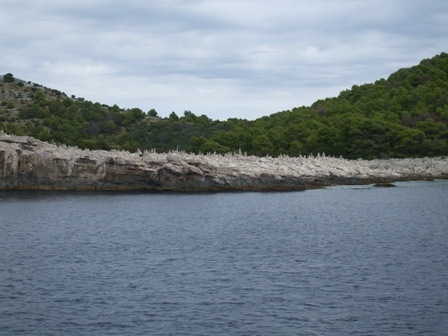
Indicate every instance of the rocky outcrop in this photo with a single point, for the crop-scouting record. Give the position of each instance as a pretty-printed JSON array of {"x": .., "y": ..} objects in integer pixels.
[{"x": 26, "y": 163}]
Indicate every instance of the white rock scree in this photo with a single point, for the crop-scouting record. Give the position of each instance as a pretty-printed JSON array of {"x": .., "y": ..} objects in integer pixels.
[{"x": 27, "y": 163}]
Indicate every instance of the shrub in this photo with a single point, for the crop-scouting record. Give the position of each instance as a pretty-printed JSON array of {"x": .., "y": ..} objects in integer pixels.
[{"x": 8, "y": 78}]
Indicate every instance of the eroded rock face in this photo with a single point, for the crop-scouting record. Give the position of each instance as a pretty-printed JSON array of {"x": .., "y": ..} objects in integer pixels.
[{"x": 26, "y": 163}]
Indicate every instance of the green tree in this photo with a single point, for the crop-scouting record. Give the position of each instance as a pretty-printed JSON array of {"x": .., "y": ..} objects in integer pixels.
[
  {"x": 262, "y": 145},
  {"x": 173, "y": 116},
  {"x": 8, "y": 78},
  {"x": 109, "y": 127},
  {"x": 189, "y": 116},
  {"x": 152, "y": 113},
  {"x": 211, "y": 146}
]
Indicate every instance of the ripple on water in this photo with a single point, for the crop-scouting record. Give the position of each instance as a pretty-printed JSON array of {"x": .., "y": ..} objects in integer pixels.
[{"x": 338, "y": 261}]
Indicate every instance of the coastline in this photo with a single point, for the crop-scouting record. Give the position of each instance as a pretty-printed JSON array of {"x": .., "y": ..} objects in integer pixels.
[{"x": 30, "y": 164}]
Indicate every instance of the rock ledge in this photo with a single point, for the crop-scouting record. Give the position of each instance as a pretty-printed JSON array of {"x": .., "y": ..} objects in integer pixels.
[{"x": 30, "y": 164}]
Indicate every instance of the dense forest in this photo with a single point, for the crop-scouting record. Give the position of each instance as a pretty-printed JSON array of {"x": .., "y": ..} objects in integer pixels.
[{"x": 405, "y": 115}]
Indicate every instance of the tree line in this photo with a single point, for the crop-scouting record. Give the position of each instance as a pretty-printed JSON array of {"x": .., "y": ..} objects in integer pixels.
[{"x": 405, "y": 115}]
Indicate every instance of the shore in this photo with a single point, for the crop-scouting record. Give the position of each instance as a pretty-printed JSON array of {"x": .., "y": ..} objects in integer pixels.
[{"x": 30, "y": 164}]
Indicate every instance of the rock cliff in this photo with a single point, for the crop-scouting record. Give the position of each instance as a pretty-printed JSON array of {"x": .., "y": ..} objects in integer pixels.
[{"x": 26, "y": 163}]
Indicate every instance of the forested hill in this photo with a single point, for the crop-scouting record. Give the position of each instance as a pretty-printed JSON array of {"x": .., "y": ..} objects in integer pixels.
[{"x": 405, "y": 115}]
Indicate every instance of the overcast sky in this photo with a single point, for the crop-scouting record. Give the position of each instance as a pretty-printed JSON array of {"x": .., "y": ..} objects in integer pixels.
[{"x": 222, "y": 58}]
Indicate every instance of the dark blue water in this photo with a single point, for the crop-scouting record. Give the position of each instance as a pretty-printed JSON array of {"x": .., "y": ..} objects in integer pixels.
[{"x": 338, "y": 261}]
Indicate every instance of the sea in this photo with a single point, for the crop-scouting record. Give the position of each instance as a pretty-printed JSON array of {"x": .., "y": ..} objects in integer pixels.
[{"x": 347, "y": 260}]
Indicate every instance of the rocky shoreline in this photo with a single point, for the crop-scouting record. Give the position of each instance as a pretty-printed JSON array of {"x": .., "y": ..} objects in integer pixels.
[{"x": 30, "y": 164}]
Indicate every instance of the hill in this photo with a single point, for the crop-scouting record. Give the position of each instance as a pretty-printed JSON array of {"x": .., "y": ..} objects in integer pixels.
[{"x": 405, "y": 115}]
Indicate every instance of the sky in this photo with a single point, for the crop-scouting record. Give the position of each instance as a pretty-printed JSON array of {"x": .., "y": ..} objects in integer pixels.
[{"x": 222, "y": 58}]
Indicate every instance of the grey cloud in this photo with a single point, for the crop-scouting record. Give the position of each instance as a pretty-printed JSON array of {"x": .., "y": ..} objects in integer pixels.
[{"x": 224, "y": 59}]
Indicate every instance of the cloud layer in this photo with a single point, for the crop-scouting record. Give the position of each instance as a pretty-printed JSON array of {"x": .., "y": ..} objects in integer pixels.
[{"x": 225, "y": 59}]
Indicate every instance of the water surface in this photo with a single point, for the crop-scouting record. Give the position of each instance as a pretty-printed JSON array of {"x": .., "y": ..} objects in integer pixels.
[{"x": 336, "y": 261}]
